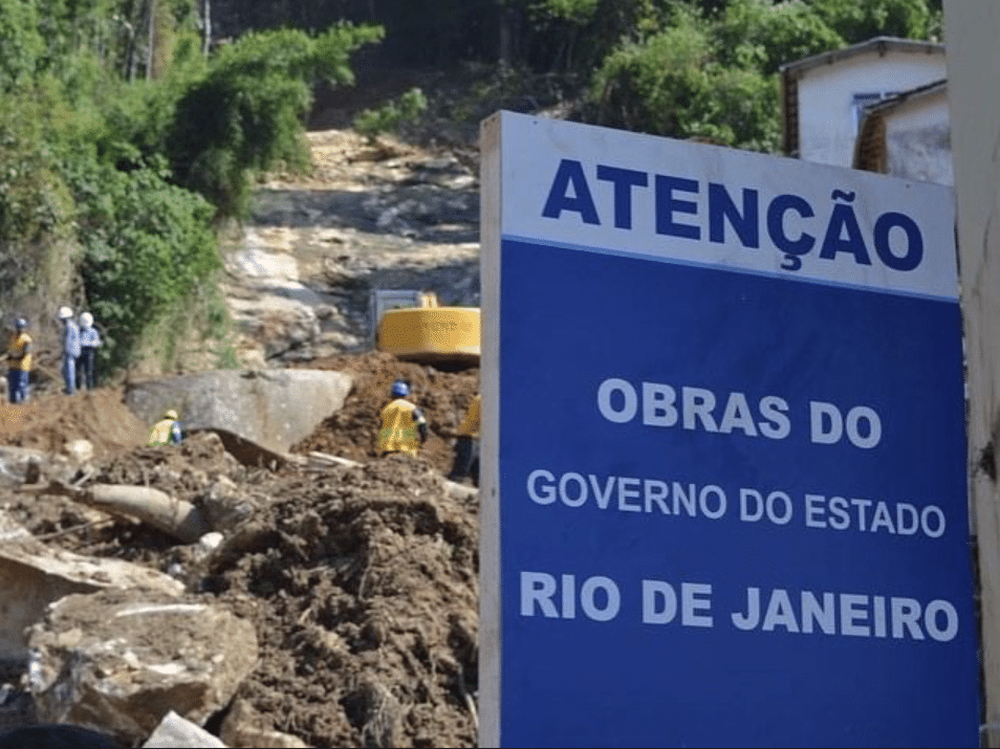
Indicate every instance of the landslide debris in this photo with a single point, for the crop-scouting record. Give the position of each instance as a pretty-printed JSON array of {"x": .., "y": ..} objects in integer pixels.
[{"x": 361, "y": 581}]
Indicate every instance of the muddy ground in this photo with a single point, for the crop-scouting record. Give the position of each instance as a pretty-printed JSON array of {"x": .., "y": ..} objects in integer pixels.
[{"x": 362, "y": 581}]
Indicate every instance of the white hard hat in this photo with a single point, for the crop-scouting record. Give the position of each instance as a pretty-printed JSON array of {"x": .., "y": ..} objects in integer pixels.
[
  {"x": 86, "y": 319},
  {"x": 65, "y": 313}
]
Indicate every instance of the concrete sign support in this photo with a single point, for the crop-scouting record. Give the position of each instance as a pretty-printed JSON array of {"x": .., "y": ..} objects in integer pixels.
[{"x": 724, "y": 488}]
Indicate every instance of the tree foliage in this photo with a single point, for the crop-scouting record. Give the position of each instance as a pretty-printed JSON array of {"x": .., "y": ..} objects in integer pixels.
[
  {"x": 147, "y": 245},
  {"x": 245, "y": 115},
  {"x": 121, "y": 141}
]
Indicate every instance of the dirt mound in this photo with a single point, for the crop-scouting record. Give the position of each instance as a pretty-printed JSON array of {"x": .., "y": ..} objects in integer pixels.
[
  {"x": 363, "y": 585},
  {"x": 48, "y": 422},
  {"x": 362, "y": 582},
  {"x": 351, "y": 432}
]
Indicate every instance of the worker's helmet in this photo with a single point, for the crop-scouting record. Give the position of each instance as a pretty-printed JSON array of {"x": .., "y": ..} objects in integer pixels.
[
  {"x": 65, "y": 313},
  {"x": 400, "y": 389},
  {"x": 86, "y": 319},
  {"x": 171, "y": 414},
  {"x": 20, "y": 323}
]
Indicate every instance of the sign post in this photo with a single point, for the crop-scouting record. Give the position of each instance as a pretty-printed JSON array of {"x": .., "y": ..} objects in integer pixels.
[{"x": 724, "y": 487}]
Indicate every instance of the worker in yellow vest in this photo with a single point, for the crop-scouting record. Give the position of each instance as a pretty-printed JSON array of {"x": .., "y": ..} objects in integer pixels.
[
  {"x": 466, "y": 461},
  {"x": 404, "y": 428},
  {"x": 167, "y": 431},
  {"x": 18, "y": 362}
]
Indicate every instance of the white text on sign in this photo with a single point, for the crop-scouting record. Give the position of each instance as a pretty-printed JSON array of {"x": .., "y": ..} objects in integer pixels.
[{"x": 690, "y": 604}]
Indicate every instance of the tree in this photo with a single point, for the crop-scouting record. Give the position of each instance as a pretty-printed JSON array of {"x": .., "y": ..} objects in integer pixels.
[{"x": 246, "y": 114}]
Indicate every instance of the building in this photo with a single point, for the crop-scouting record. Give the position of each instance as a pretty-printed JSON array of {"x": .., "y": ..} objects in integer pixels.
[
  {"x": 908, "y": 136},
  {"x": 824, "y": 97}
]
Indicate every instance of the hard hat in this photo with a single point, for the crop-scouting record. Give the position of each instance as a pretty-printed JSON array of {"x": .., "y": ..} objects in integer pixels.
[
  {"x": 171, "y": 414},
  {"x": 400, "y": 389},
  {"x": 65, "y": 313},
  {"x": 20, "y": 323},
  {"x": 86, "y": 319}
]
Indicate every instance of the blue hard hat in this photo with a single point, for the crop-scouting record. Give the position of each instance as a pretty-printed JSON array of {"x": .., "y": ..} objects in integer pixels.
[
  {"x": 20, "y": 323},
  {"x": 400, "y": 389}
]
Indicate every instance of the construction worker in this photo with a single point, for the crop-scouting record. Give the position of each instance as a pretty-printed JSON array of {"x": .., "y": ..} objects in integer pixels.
[
  {"x": 467, "y": 444},
  {"x": 70, "y": 349},
  {"x": 404, "y": 428},
  {"x": 167, "y": 431},
  {"x": 18, "y": 362},
  {"x": 90, "y": 340}
]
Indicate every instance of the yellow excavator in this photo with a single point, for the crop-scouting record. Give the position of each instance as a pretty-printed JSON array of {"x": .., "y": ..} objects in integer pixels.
[{"x": 431, "y": 334}]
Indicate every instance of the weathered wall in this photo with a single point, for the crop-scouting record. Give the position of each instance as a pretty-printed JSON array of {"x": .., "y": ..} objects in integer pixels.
[
  {"x": 827, "y": 126},
  {"x": 972, "y": 28},
  {"x": 918, "y": 140}
]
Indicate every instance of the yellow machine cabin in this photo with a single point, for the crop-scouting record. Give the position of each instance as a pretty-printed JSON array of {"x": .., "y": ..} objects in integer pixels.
[{"x": 431, "y": 334}]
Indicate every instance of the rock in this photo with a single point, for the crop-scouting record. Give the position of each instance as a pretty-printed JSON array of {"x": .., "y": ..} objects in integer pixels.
[
  {"x": 245, "y": 727},
  {"x": 223, "y": 506},
  {"x": 176, "y": 733},
  {"x": 122, "y": 661},
  {"x": 32, "y": 576},
  {"x": 20, "y": 465},
  {"x": 274, "y": 408},
  {"x": 79, "y": 451}
]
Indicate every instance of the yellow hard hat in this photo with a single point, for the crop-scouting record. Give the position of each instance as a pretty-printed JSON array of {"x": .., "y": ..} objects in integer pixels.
[{"x": 171, "y": 414}]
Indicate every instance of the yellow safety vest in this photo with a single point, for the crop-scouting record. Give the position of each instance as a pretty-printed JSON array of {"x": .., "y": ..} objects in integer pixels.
[
  {"x": 470, "y": 425},
  {"x": 399, "y": 428},
  {"x": 160, "y": 433},
  {"x": 17, "y": 357}
]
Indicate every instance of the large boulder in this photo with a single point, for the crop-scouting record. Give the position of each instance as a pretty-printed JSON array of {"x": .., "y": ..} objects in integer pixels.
[
  {"x": 275, "y": 408},
  {"x": 121, "y": 662},
  {"x": 33, "y": 575}
]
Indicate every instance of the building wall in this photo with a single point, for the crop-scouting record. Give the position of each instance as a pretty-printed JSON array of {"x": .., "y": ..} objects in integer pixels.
[
  {"x": 918, "y": 140},
  {"x": 972, "y": 28},
  {"x": 827, "y": 119}
]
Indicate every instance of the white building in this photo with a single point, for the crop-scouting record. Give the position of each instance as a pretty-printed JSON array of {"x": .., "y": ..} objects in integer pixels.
[
  {"x": 909, "y": 136},
  {"x": 824, "y": 96}
]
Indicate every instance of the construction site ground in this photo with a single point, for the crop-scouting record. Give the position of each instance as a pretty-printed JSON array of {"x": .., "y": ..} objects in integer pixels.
[{"x": 361, "y": 581}]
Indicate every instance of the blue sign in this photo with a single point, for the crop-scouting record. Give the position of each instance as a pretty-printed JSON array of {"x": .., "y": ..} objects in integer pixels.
[{"x": 724, "y": 431}]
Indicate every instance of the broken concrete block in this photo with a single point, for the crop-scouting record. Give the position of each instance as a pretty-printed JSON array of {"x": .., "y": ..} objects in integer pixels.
[
  {"x": 174, "y": 732},
  {"x": 122, "y": 661},
  {"x": 33, "y": 575}
]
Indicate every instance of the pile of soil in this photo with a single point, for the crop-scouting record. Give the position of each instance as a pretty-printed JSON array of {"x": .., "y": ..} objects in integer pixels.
[
  {"x": 48, "y": 422},
  {"x": 362, "y": 582},
  {"x": 351, "y": 432}
]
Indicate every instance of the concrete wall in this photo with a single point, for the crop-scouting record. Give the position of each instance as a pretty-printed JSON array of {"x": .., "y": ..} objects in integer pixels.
[
  {"x": 918, "y": 140},
  {"x": 827, "y": 124},
  {"x": 972, "y": 28}
]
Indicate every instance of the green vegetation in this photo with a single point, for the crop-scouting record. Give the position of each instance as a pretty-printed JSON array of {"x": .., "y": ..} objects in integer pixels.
[
  {"x": 124, "y": 143},
  {"x": 123, "y": 147},
  {"x": 373, "y": 122}
]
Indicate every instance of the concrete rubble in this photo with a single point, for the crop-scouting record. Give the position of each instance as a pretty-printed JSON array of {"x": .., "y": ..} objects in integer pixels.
[
  {"x": 174, "y": 732},
  {"x": 34, "y": 575},
  {"x": 121, "y": 661}
]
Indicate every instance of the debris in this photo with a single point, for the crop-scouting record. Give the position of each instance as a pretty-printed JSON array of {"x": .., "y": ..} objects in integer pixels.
[
  {"x": 245, "y": 727},
  {"x": 33, "y": 575},
  {"x": 174, "y": 732},
  {"x": 122, "y": 661},
  {"x": 177, "y": 517}
]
